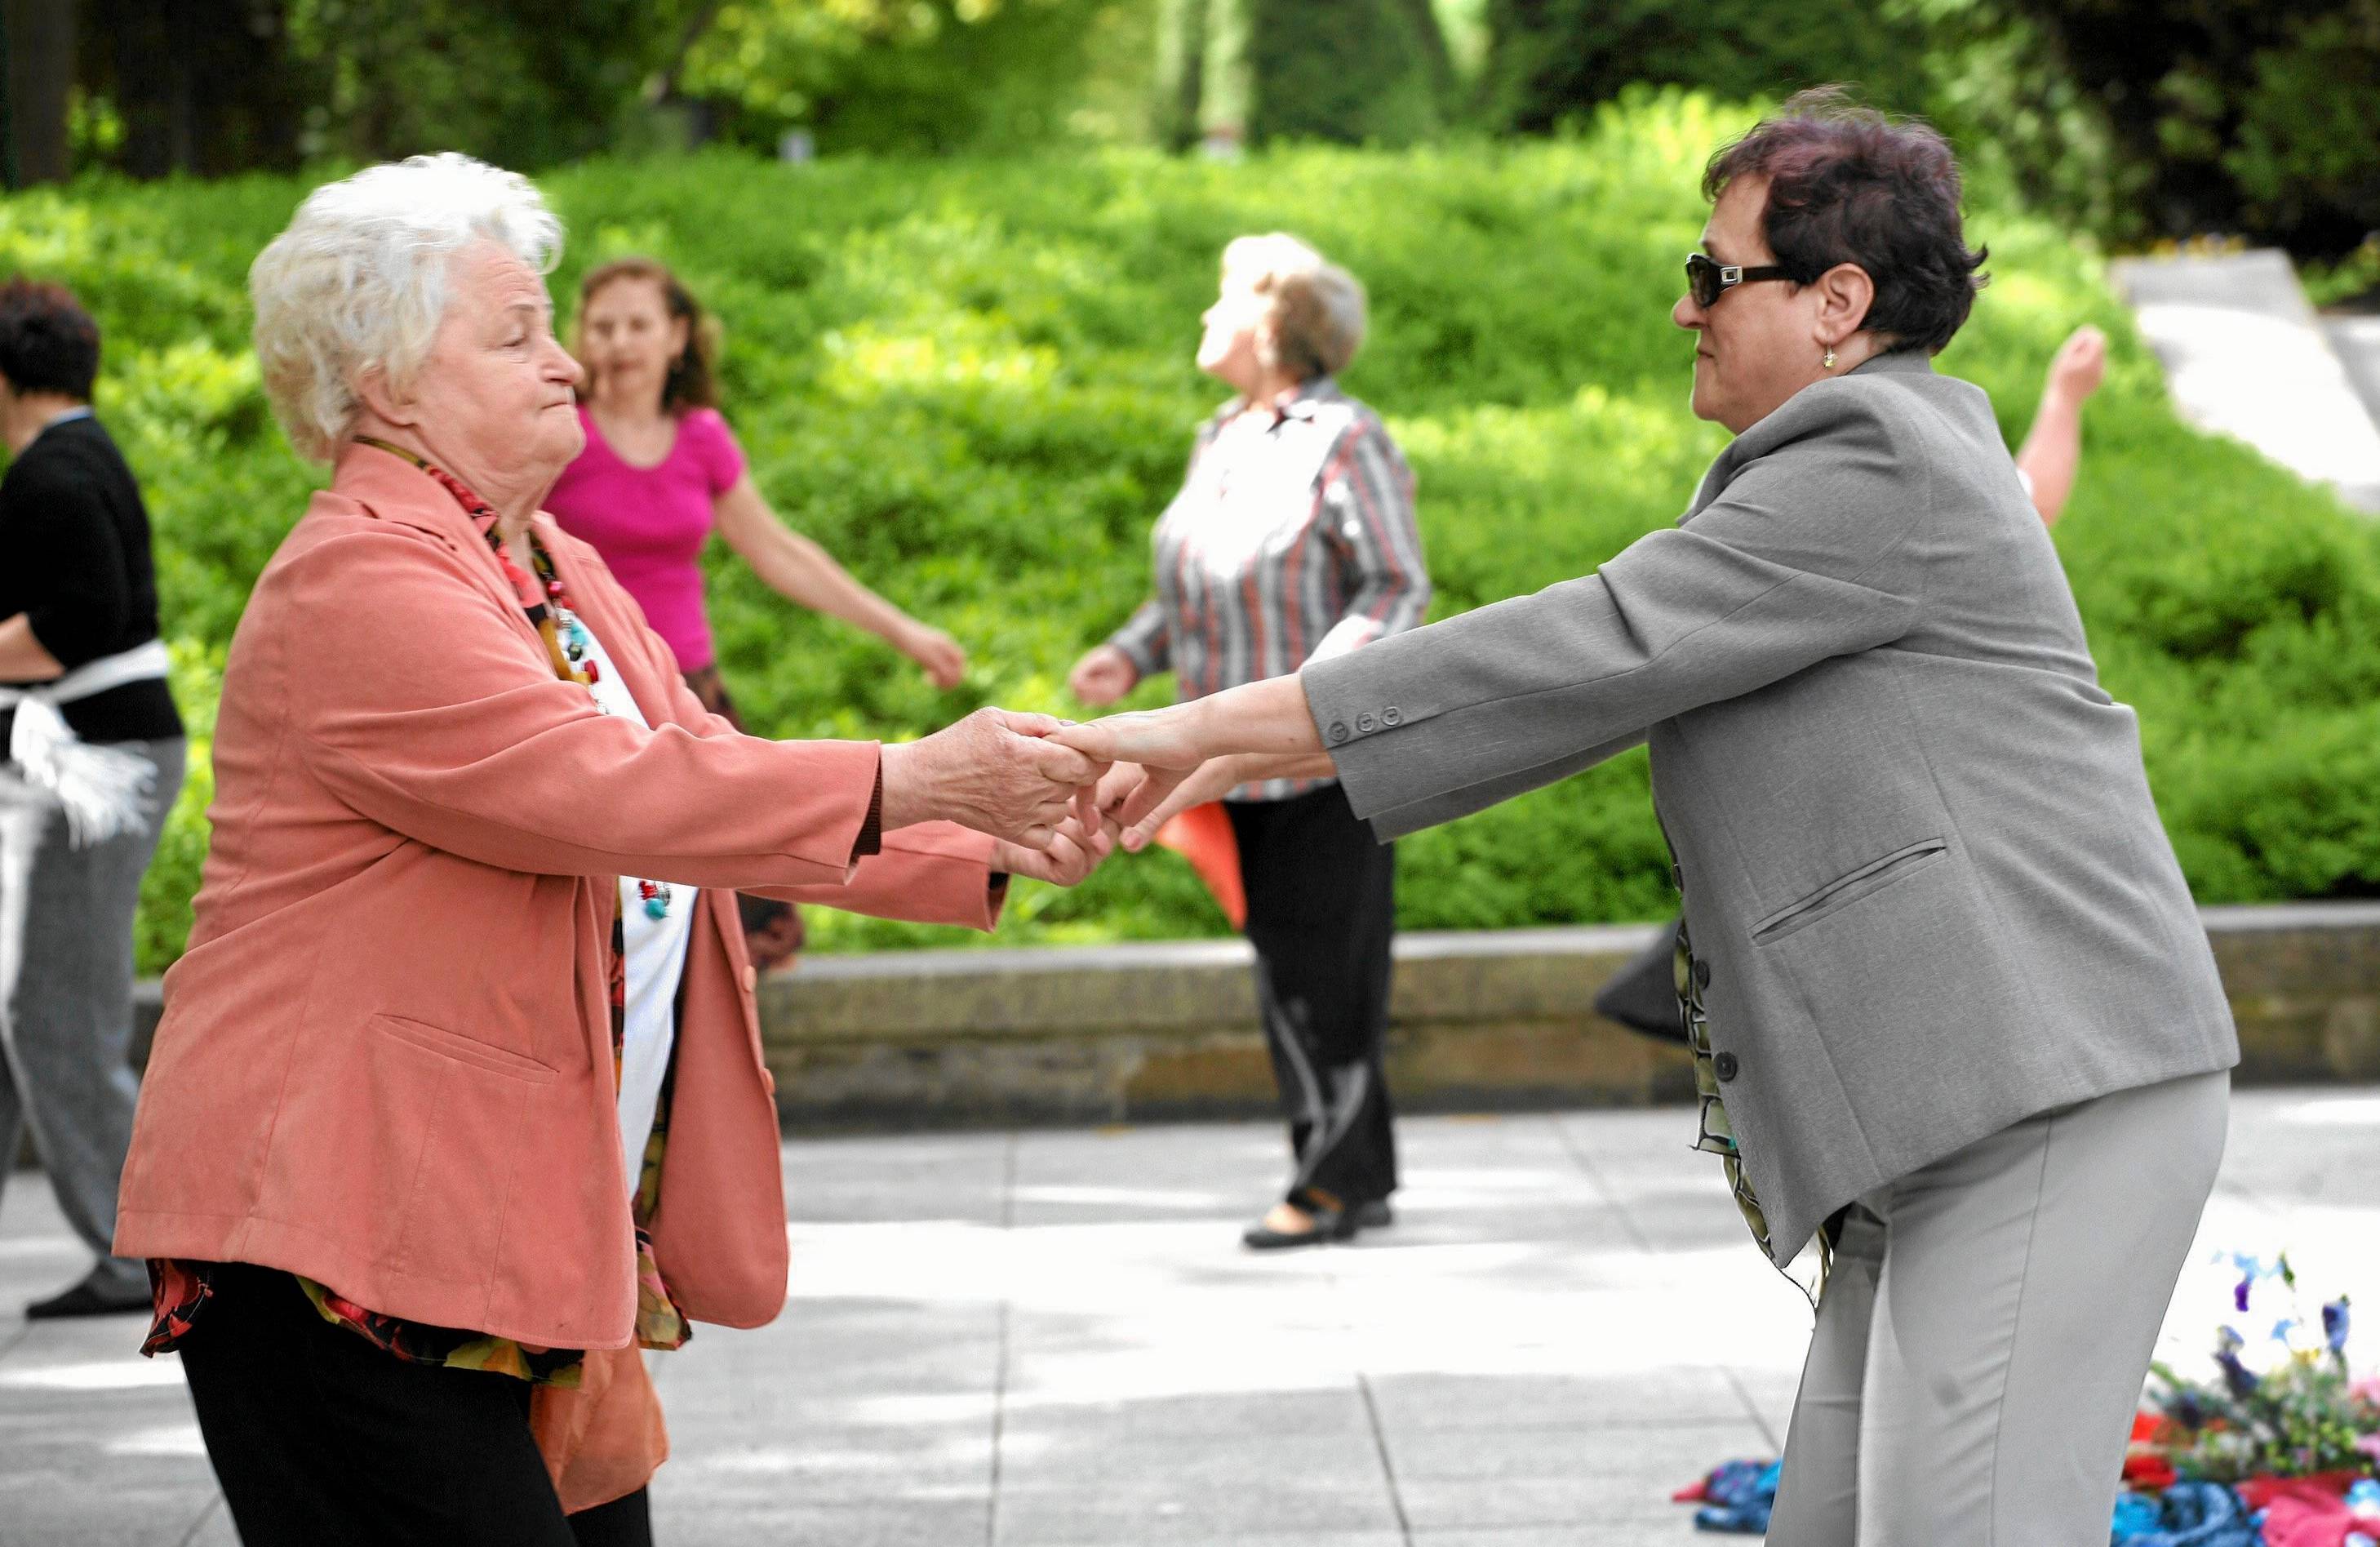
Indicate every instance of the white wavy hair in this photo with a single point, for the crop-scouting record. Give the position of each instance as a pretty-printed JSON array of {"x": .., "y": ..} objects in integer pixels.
[
  {"x": 358, "y": 282},
  {"x": 1318, "y": 307}
]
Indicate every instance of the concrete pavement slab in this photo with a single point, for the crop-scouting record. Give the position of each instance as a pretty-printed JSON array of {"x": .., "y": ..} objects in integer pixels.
[{"x": 1053, "y": 1337}]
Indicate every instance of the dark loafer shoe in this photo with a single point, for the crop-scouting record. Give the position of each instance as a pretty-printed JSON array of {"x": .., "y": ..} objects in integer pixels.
[
  {"x": 93, "y": 1296},
  {"x": 1330, "y": 1224},
  {"x": 1375, "y": 1215}
]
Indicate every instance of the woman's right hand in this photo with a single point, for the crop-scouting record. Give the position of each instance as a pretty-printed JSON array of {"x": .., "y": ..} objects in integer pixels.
[
  {"x": 997, "y": 772},
  {"x": 1157, "y": 738},
  {"x": 1102, "y": 676}
]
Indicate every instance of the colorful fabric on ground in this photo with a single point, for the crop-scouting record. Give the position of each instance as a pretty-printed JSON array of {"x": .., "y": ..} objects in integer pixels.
[
  {"x": 2186, "y": 1515},
  {"x": 1736, "y": 1498}
]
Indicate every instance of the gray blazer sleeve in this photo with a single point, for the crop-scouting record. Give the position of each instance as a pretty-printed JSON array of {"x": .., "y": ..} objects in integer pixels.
[{"x": 1804, "y": 552}]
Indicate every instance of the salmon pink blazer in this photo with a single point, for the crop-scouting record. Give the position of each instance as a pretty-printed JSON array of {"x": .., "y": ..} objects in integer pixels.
[{"x": 385, "y": 1062}]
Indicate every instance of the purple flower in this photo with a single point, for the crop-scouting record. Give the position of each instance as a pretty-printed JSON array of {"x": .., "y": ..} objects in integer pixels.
[
  {"x": 2240, "y": 1293},
  {"x": 2333, "y": 1325},
  {"x": 2237, "y": 1376}
]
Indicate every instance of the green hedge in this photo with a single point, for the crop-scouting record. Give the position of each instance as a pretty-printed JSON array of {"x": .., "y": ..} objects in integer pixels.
[{"x": 971, "y": 380}]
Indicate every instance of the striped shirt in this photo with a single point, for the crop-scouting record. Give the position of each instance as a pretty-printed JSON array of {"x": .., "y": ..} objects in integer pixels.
[{"x": 1293, "y": 539}]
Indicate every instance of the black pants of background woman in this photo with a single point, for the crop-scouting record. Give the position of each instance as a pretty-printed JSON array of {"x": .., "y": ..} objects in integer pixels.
[
  {"x": 1321, "y": 896},
  {"x": 318, "y": 1437}
]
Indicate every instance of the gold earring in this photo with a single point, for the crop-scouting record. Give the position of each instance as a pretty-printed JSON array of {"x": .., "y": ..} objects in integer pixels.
[{"x": 1829, "y": 363}]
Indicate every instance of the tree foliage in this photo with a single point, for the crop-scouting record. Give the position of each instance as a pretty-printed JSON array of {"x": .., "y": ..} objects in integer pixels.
[
  {"x": 897, "y": 76},
  {"x": 2255, "y": 115}
]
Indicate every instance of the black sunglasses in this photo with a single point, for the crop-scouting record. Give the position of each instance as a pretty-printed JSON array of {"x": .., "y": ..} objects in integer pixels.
[{"x": 1707, "y": 278}]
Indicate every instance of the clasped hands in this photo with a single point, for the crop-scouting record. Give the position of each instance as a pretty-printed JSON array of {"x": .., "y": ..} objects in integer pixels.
[{"x": 1058, "y": 796}]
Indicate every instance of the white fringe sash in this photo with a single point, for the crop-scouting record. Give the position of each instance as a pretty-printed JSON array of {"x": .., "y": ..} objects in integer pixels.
[{"x": 105, "y": 790}]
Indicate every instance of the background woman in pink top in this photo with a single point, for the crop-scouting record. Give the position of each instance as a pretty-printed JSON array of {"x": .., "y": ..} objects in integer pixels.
[{"x": 660, "y": 471}]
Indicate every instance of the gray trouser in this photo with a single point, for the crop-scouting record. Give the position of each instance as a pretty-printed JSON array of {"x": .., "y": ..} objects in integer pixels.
[
  {"x": 66, "y": 996},
  {"x": 1982, "y": 1342}
]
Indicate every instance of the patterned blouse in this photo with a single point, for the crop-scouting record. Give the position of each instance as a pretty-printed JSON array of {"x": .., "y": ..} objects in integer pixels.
[
  {"x": 1293, "y": 539},
  {"x": 1715, "y": 1135}
]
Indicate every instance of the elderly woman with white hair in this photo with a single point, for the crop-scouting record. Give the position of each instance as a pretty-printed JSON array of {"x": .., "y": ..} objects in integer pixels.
[
  {"x": 1292, "y": 541},
  {"x": 458, "y": 1102}
]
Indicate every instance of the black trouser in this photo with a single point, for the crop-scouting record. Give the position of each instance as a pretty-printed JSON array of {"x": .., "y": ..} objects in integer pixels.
[
  {"x": 1321, "y": 909},
  {"x": 319, "y": 1437}
]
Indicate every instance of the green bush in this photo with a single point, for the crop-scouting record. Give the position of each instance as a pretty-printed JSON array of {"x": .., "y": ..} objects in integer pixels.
[{"x": 971, "y": 380}]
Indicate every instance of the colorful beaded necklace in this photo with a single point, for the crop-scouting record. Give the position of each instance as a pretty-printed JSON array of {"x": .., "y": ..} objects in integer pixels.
[{"x": 547, "y": 603}]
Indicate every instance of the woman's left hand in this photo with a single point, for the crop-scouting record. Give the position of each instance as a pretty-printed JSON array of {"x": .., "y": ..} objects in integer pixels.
[
  {"x": 944, "y": 661},
  {"x": 1073, "y": 854},
  {"x": 1140, "y": 801}
]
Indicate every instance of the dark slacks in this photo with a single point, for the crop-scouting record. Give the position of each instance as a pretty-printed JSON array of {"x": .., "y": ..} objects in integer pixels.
[
  {"x": 1321, "y": 899},
  {"x": 318, "y": 1436}
]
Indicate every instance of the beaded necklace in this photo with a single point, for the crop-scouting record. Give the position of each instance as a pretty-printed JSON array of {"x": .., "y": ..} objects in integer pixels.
[{"x": 547, "y": 603}]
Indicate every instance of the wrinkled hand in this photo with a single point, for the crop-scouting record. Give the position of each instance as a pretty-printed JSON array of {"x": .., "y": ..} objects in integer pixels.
[
  {"x": 1104, "y": 675},
  {"x": 944, "y": 661},
  {"x": 997, "y": 772},
  {"x": 2081, "y": 363},
  {"x": 1073, "y": 854}
]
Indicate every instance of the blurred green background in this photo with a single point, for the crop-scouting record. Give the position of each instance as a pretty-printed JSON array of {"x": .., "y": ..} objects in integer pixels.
[{"x": 958, "y": 339}]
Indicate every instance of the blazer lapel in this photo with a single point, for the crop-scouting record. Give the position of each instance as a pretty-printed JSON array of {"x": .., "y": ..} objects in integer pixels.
[{"x": 395, "y": 490}]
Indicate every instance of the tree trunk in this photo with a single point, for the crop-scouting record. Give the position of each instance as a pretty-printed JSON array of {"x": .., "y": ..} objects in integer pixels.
[
  {"x": 40, "y": 39},
  {"x": 202, "y": 86}
]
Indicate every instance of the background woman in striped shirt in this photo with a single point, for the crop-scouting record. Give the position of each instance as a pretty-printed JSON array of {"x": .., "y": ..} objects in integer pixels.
[{"x": 1292, "y": 539}]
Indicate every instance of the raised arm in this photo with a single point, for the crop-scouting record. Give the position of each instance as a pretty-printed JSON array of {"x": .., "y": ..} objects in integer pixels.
[
  {"x": 799, "y": 570},
  {"x": 2052, "y": 452}
]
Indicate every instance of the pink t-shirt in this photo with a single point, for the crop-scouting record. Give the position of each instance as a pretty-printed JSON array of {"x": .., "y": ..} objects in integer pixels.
[{"x": 651, "y": 523}]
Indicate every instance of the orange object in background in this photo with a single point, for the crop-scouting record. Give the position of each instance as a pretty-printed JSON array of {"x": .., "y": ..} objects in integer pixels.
[{"x": 1203, "y": 836}]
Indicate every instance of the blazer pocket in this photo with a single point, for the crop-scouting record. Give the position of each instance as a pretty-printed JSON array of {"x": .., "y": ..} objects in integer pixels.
[
  {"x": 1845, "y": 890},
  {"x": 464, "y": 1050}
]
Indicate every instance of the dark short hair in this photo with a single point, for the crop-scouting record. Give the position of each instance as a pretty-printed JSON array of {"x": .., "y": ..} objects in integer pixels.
[
  {"x": 1849, "y": 185},
  {"x": 48, "y": 343}
]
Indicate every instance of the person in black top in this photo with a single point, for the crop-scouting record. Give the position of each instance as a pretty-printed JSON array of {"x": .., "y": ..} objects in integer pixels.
[{"x": 90, "y": 759}]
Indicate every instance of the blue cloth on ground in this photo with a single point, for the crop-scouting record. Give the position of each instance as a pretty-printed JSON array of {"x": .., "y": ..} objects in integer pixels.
[
  {"x": 2189, "y": 1515},
  {"x": 1739, "y": 1497}
]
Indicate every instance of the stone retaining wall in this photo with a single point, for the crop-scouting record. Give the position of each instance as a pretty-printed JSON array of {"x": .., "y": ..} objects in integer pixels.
[
  {"x": 1485, "y": 1019},
  {"x": 1493, "y": 1018}
]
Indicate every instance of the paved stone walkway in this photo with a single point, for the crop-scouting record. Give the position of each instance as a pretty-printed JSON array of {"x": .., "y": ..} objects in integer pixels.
[
  {"x": 1052, "y": 1338},
  {"x": 2246, "y": 355}
]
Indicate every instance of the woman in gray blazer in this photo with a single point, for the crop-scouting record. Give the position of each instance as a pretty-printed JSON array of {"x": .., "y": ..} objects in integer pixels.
[{"x": 1953, "y": 1011}]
